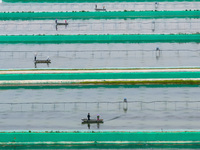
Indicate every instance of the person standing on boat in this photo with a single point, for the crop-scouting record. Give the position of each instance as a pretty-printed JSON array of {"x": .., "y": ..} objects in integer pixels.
[
  {"x": 35, "y": 57},
  {"x": 56, "y": 21},
  {"x": 88, "y": 116},
  {"x": 98, "y": 117}
]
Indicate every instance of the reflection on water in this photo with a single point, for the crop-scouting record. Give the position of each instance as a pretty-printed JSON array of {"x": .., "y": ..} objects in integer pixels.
[
  {"x": 89, "y": 125},
  {"x": 36, "y": 64},
  {"x": 146, "y": 108}
]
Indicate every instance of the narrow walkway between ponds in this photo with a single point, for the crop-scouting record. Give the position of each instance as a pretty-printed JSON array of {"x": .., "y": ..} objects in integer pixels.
[{"x": 141, "y": 76}]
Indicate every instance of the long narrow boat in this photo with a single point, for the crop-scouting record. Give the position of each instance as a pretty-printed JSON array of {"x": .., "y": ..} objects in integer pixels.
[
  {"x": 62, "y": 24},
  {"x": 84, "y": 120},
  {"x": 43, "y": 61},
  {"x": 100, "y": 9}
]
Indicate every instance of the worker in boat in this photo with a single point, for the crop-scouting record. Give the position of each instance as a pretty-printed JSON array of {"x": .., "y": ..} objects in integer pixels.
[
  {"x": 98, "y": 117},
  {"x": 56, "y": 21},
  {"x": 65, "y": 21},
  {"x": 103, "y": 7},
  {"x": 48, "y": 58},
  {"x": 88, "y": 116},
  {"x": 96, "y": 6},
  {"x": 35, "y": 57}
]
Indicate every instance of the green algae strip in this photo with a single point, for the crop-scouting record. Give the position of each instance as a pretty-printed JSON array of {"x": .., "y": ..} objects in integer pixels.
[
  {"x": 98, "y": 15},
  {"x": 104, "y": 137},
  {"x": 148, "y": 83},
  {"x": 91, "y": 1},
  {"x": 56, "y": 39},
  {"x": 101, "y": 76},
  {"x": 103, "y": 83}
]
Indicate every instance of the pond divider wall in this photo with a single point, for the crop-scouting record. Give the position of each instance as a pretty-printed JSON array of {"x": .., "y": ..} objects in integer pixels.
[
  {"x": 123, "y": 78},
  {"x": 56, "y": 39},
  {"x": 97, "y": 76},
  {"x": 98, "y": 15},
  {"x": 91, "y": 1},
  {"x": 148, "y": 138}
]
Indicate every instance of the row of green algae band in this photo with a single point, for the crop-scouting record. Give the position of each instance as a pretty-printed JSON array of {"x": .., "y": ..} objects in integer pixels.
[
  {"x": 92, "y": 1},
  {"x": 99, "y": 137},
  {"x": 56, "y": 39},
  {"x": 98, "y": 15},
  {"x": 86, "y": 76}
]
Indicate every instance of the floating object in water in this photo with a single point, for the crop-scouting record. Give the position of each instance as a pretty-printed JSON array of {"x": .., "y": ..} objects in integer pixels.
[
  {"x": 158, "y": 52},
  {"x": 153, "y": 26},
  {"x": 157, "y": 49},
  {"x": 125, "y": 100},
  {"x": 125, "y": 105},
  {"x": 84, "y": 121}
]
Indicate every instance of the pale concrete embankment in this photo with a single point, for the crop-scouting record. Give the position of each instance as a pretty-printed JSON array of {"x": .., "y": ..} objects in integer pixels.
[
  {"x": 101, "y": 138},
  {"x": 99, "y": 76}
]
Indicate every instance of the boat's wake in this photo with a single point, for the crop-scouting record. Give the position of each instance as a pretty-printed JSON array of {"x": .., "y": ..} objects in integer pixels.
[{"x": 115, "y": 117}]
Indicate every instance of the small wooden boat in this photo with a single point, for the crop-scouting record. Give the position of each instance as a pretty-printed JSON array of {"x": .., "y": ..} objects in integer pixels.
[
  {"x": 84, "y": 120},
  {"x": 100, "y": 9},
  {"x": 62, "y": 24},
  {"x": 43, "y": 61}
]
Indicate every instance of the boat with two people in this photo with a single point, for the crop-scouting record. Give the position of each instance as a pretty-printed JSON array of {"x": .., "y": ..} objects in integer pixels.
[{"x": 88, "y": 120}]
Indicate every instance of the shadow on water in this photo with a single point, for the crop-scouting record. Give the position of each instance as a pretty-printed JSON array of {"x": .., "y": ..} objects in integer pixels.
[{"x": 117, "y": 117}]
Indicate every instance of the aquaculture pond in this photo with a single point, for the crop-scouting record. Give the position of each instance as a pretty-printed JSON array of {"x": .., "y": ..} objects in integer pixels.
[
  {"x": 61, "y": 108},
  {"x": 16, "y": 56},
  {"x": 115, "y": 26}
]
